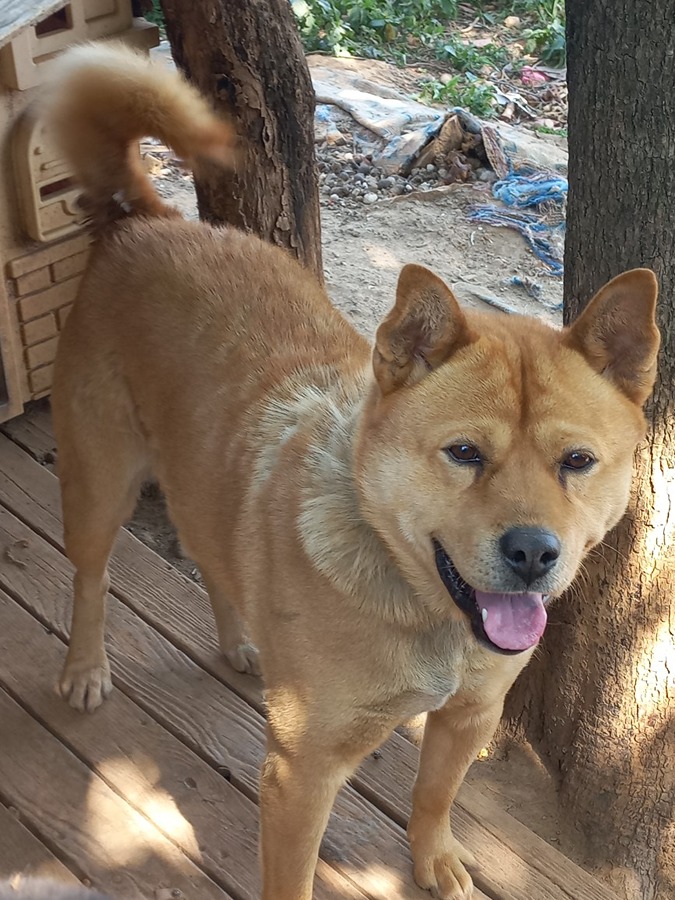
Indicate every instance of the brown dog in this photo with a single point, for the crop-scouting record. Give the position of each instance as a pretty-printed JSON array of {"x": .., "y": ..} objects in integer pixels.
[{"x": 386, "y": 527}]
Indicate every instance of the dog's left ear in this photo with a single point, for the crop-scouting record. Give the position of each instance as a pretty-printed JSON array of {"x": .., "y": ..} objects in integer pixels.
[
  {"x": 617, "y": 333},
  {"x": 423, "y": 329}
]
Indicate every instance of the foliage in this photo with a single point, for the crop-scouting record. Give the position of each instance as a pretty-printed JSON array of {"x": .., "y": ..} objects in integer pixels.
[
  {"x": 155, "y": 14},
  {"x": 545, "y": 35},
  {"x": 373, "y": 28},
  {"x": 462, "y": 90},
  {"x": 545, "y": 129},
  {"x": 469, "y": 58},
  {"x": 399, "y": 29},
  {"x": 547, "y": 42}
]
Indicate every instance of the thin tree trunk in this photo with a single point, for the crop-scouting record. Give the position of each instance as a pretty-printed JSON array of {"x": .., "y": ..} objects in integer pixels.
[
  {"x": 247, "y": 57},
  {"x": 599, "y": 701}
]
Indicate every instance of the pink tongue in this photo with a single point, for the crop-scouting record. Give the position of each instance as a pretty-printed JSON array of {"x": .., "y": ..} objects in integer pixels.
[{"x": 513, "y": 621}]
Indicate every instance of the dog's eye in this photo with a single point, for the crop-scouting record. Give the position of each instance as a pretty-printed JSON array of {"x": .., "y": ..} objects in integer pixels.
[
  {"x": 464, "y": 453},
  {"x": 577, "y": 461}
]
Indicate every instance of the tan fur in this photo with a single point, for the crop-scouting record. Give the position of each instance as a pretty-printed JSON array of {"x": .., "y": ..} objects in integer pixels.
[
  {"x": 307, "y": 478},
  {"x": 98, "y": 111}
]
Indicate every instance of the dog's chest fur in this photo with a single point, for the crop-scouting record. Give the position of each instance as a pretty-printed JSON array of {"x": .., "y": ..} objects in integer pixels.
[{"x": 416, "y": 667}]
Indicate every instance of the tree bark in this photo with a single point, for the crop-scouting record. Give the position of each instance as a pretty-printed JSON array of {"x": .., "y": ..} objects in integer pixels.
[
  {"x": 599, "y": 700},
  {"x": 248, "y": 58}
]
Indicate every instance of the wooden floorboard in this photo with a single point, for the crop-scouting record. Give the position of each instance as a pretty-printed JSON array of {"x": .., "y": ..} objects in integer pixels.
[
  {"x": 42, "y": 585},
  {"x": 15, "y": 15},
  {"x": 194, "y": 807},
  {"x": 21, "y": 853},
  {"x": 180, "y": 695},
  {"x": 33, "y": 432},
  {"x": 117, "y": 849},
  {"x": 516, "y": 863}
]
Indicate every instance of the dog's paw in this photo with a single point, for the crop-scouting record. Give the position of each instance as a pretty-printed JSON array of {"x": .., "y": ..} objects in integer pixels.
[
  {"x": 244, "y": 658},
  {"x": 439, "y": 868},
  {"x": 85, "y": 687}
]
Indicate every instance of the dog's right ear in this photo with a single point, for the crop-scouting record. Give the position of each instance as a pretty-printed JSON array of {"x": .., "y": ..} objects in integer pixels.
[{"x": 423, "y": 329}]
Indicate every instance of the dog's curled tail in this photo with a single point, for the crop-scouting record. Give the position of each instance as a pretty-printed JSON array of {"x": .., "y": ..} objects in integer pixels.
[{"x": 102, "y": 98}]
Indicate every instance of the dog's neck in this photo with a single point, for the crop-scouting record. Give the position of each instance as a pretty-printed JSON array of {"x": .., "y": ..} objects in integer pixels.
[{"x": 337, "y": 538}]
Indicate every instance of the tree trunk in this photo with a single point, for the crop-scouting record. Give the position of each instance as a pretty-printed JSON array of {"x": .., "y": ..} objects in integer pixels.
[
  {"x": 248, "y": 58},
  {"x": 599, "y": 701}
]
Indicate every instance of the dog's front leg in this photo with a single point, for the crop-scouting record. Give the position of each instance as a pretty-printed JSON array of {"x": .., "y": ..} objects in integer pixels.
[
  {"x": 296, "y": 797},
  {"x": 310, "y": 754},
  {"x": 452, "y": 738}
]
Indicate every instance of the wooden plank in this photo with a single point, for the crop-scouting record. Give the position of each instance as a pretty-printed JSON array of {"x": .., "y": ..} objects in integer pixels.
[
  {"x": 142, "y": 762},
  {"x": 33, "y": 432},
  {"x": 116, "y": 847},
  {"x": 510, "y": 854},
  {"x": 193, "y": 705},
  {"x": 15, "y": 15},
  {"x": 21, "y": 853},
  {"x": 197, "y": 808}
]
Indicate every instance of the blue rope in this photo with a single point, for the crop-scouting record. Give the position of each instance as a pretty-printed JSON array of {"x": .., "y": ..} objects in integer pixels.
[
  {"x": 524, "y": 189},
  {"x": 527, "y": 224}
]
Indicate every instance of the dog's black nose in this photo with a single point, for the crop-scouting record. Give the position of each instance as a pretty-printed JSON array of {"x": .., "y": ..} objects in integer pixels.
[{"x": 531, "y": 552}]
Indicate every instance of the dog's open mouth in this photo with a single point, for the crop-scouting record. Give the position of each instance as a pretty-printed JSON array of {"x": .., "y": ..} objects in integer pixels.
[{"x": 506, "y": 623}]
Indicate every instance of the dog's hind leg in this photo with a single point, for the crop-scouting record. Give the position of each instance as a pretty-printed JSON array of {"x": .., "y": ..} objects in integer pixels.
[
  {"x": 101, "y": 464},
  {"x": 241, "y": 654}
]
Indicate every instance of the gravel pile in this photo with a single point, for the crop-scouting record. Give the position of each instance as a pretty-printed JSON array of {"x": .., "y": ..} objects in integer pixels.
[{"x": 347, "y": 178}]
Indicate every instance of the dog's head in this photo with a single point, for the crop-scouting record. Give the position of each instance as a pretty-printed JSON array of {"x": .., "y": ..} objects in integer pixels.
[{"x": 495, "y": 451}]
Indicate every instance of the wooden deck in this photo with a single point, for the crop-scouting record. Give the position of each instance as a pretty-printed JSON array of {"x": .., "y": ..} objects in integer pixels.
[{"x": 155, "y": 794}]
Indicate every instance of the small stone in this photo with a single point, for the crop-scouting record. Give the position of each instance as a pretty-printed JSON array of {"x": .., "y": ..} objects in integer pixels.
[
  {"x": 365, "y": 168},
  {"x": 397, "y": 190},
  {"x": 345, "y": 176},
  {"x": 415, "y": 172},
  {"x": 371, "y": 182},
  {"x": 336, "y": 166},
  {"x": 445, "y": 78},
  {"x": 342, "y": 191},
  {"x": 385, "y": 183},
  {"x": 334, "y": 197},
  {"x": 370, "y": 197},
  {"x": 408, "y": 188},
  {"x": 512, "y": 22},
  {"x": 431, "y": 168},
  {"x": 488, "y": 176},
  {"x": 442, "y": 173}
]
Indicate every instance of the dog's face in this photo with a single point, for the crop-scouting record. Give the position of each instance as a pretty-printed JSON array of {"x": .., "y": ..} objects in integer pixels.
[{"x": 496, "y": 451}]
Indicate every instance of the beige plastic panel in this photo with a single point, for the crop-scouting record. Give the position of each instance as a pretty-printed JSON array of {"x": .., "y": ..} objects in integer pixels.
[
  {"x": 22, "y": 59},
  {"x": 47, "y": 195},
  {"x": 43, "y": 250}
]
